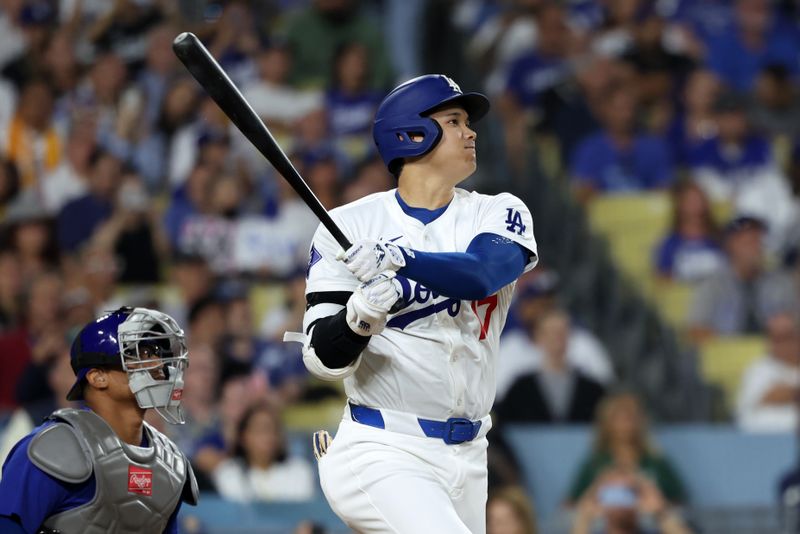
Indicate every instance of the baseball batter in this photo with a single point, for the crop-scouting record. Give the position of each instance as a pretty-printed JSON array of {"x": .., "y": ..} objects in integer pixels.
[
  {"x": 410, "y": 318},
  {"x": 103, "y": 469}
]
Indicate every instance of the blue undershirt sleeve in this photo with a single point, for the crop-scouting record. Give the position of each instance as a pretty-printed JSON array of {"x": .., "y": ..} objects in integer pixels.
[
  {"x": 490, "y": 262},
  {"x": 10, "y": 526}
]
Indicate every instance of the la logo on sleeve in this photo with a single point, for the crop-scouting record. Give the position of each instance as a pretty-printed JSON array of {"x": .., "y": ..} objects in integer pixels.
[{"x": 140, "y": 480}]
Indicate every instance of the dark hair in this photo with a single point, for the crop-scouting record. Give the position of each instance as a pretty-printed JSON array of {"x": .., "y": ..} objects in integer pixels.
[
  {"x": 12, "y": 173},
  {"x": 341, "y": 51},
  {"x": 202, "y": 305},
  {"x": 253, "y": 410},
  {"x": 678, "y": 190}
]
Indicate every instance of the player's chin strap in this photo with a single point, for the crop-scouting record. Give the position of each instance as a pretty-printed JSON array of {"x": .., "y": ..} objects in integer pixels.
[
  {"x": 163, "y": 396},
  {"x": 314, "y": 364}
]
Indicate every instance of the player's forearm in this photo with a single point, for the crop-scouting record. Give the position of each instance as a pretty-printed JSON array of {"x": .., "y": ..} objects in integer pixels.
[
  {"x": 335, "y": 344},
  {"x": 489, "y": 263}
]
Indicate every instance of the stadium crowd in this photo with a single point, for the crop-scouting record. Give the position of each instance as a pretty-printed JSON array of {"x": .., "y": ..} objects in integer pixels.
[{"x": 121, "y": 182}]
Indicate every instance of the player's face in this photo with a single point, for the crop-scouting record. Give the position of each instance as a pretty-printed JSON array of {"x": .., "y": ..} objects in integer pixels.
[{"x": 455, "y": 155}]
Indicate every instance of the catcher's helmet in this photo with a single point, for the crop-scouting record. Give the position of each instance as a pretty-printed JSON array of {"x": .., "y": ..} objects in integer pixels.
[
  {"x": 147, "y": 344},
  {"x": 405, "y": 111}
]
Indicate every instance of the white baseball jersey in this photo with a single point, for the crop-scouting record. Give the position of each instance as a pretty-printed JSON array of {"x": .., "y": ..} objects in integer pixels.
[{"x": 436, "y": 357}]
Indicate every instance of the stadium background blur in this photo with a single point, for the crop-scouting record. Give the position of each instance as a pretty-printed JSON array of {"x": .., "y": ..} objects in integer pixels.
[{"x": 655, "y": 142}]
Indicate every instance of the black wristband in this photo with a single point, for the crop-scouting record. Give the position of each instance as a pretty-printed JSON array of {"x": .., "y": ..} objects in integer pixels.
[{"x": 334, "y": 343}]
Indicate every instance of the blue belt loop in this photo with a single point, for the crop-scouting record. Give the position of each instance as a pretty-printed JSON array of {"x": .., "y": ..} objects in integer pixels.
[{"x": 366, "y": 416}]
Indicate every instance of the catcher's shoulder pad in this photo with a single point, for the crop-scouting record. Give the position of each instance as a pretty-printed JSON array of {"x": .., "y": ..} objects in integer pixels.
[
  {"x": 60, "y": 452},
  {"x": 190, "y": 493}
]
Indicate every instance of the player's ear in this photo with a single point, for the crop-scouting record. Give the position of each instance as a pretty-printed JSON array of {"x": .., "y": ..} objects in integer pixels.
[{"x": 97, "y": 378}]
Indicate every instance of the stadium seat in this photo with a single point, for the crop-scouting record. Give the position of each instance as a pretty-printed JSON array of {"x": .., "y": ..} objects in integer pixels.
[
  {"x": 264, "y": 297},
  {"x": 312, "y": 416},
  {"x": 632, "y": 224},
  {"x": 724, "y": 359},
  {"x": 672, "y": 300}
]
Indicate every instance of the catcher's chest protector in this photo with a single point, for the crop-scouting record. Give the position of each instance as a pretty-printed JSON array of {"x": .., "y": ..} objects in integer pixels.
[{"x": 137, "y": 488}]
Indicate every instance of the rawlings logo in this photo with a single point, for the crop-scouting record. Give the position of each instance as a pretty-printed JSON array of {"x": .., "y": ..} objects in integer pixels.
[
  {"x": 140, "y": 480},
  {"x": 177, "y": 394}
]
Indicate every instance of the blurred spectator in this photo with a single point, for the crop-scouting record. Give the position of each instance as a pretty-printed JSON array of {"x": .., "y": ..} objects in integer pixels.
[
  {"x": 133, "y": 234},
  {"x": 34, "y": 337},
  {"x": 758, "y": 37},
  {"x": 316, "y": 32},
  {"x": 614, "y": 33},
  {"x": 519, "y": 355},
  {"x": 210, "y": 231},
  {"x": 776, "y": 108},
  {"x": 59, "y": 378},
  {"x": 314, "y": 144},
  {"x": 691, "y": 250},
  {"x": 736, "y": 166},
  {"x": 70, "y": 180},
  {"x": 9, "y": 184},
  {"x": 324, "y": 179},
  {"x": 531, "y": 74},
  {"x": 206, "y": 322},
  {"x": 694, "y": 121},
  {"x": 277, "y": 246},
  {"x": 12, "y": 37},
  {"x": 31, "y": 235},
  {"x": 770, "y": 387},
  {"x": 36, "y": 21},
  {"x": 573, "y": 110},
  {"x": 501, "y": 38},
  {"x": 190, "y": 280},
  {"x": 98, "y": 95},
  {"x": 79, "y": 218},
  {"x": 243, "y": 351},
  {"x": 97, "y": 270},
  {"x": 509, "y": 511},
  {"x": 152, "y": 150},
  {"x": 261, "y": 469},
  {"x": 557, "y": 392},
  {"x": 371, "y": 176},
  {"x": 63, "y": 73},
  {"x": 278, "y": 103},
  {"x": 619, "y": 159},
  {"x": 188, "y": 199},
  {"x": 199, "y": 435},
  {"x": 403, "y": 25},
  {"x": 11, "y": 289},
  {"x": 30, "y": 141},
  {"x": 349, "y": 101},
  {"x": 660, "y": 68},
  {"x": 624, "y": 503},
  {"x": 744, "y": 292},
  {"x": 123, "y": 28},
  {"x": 622, "y": 444},
  {"x": 235, "y": 38},
  {"x": 157, "y": 73}
]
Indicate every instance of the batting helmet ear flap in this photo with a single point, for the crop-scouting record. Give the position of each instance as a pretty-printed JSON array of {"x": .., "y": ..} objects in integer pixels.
[{"x": 399, "y": 136}]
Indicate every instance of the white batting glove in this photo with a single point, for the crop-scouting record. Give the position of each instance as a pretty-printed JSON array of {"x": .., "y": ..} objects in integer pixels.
[
  {"x": 370, "y": 303},
  {"x": 367, "y": 258}
]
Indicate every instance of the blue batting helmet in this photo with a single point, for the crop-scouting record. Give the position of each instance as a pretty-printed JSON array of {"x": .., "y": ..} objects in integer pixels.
[
  {"x": 95, "y": 345},
  {"x": 404, "y": 112}
]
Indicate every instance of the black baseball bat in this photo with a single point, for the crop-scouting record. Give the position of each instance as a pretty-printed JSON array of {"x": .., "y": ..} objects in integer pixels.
[{"x": 205, "y": 69}]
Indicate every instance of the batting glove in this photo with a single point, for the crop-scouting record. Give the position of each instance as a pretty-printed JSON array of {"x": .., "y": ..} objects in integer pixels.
[
  {"x": 367, "y": 258},
  {"x": 370, "y": 303},
  {"x": 320, "y": 442}
]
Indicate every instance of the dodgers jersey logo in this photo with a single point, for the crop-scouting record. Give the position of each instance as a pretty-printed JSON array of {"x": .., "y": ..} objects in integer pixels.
[{"x": 415, "y": 293}]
